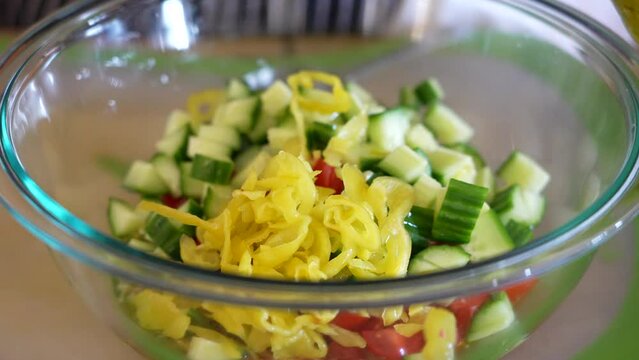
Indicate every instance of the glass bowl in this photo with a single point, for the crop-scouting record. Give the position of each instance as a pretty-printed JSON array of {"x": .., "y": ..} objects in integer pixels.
[{"x": 89, "y": 88}]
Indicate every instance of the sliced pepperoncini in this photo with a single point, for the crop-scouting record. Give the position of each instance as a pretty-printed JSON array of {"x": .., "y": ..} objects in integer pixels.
[
  {"x": 312, "y": 99},
  {"x": 202, "y": 105}
]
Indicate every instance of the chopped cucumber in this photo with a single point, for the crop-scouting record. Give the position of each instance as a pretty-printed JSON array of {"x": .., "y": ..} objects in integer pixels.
[
  {"x": 168, "y": 170},
  {"x": 472, "y": 152},
  {"x": 522, "y": 170},
  {"x": 427, "y": 191},
  {"x": 221, "y": 134},
  {"x": 199, "y": 146},
  {"x": 437, "y": 258},
  {"x": 447, "y": 126},
  {"x": 318, "y": 135},
  {"x": 495, "y": 315},
  {"x": 164, "y": 234},
  {"x": 489, "y": 238},
  {"x": 190, "y": 187},
  {"x": 144, "y": 179},
  {"x": 450, "y": 164},
  {"x": 246, "y": 156},
  {"x": 459, "y": 212},
  {"x": 405, "y": 164},
  {"x": 279, "y": 138},
  {"x": 141, "y": 245},
  {"x": 520, "y": 233},
  {"x": 264, "y": 122},
  {"x": 418, "y": 136},
  {"x": 407, "y": 98},
  {"x": 240, "y": 114},
  {"x": 429, "y": 92},
  {"x": 204, "y": 349},
  {"x": 362, "y": 100},
  {"x": 237, "y": 89},
  {"x": 515, "y": 203},
  {"x": 276, "y": 98},
  {"x": 486, "y": 179},
  {"x": 419, "y": 224},
  {"x": 123, "y": 219},
  {"x": 388, "y": 129},
  {"x": 192, "y": 207},
  {"x": 215, "y": 199},
  {"x": 178, "y": 119},
  {"x": 211, "y": 170},
  {"x": 175, "y": 143}
]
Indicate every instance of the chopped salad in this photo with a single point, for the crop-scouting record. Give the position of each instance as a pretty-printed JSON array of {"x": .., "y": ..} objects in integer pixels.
[{"x": 311, "y": 179}]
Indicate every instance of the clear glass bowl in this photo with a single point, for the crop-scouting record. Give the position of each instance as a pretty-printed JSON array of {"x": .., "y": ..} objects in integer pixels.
[{"x": 90, "y": 87}]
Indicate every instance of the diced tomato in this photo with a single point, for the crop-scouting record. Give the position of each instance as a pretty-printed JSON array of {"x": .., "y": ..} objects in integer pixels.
[
  {"x": 339, "y": 352},
  {"x": 464, "y": 310},
  {"x": 327, "y": 177},
  {"x": 350, "y": 321},
  {"x": 172, "y": 201},
  {"x": 520, "y": 290},
  {"x": 374, "y": 323},
  {"x": 391, "y": 345}
]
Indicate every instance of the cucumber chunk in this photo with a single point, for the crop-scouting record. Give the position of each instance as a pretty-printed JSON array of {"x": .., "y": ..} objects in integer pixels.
[
  {"x": 144, "y": 179},
  {"x": 211, "y": 170},
  {"x": 405, "y": 164},
  {"x": 387, "y": 130},
  {"x": 459, "y": 212},
  {"x": 237, "y": 89},
  {"x": 489, "y": 238},
  {"x": 429, "y": 92},
  {"x": 450, "y": 164},
  {"x": 240, "y": 114},
  {"x": 520, "y": 233},
  {"x": 493, "y": 316},
  {"x": 164, "y": 234},
  {"x": 276, "y": 98},
  {"x": 123, "y": 219},
  {"x": 190, "y": 187},
  {"x": 168, "y": 170},
  {"x": 177, "y": 120},
  {"x": 522, "y": 170},
  {"x": 215, "y": 199},
  {"x": 257, "y": 164},
  {"x": 419, "y": 225},
  {"x": 418, "y": 136},
  {"x": 515, "y": 203},
  {"x": 437, "y": 258},
  {"x": 192, "y": 207},
  {"x": 221, "y": 134},
  {"x": 407, "y": 98},
  {"x": 427, "y": 192},
  {"x": 199, "y": 146},
  {"x": 486, "y": 179},
  {"x": 447, "y": 126},
  {"x": 175, "y": 143},
  {"x": 318, "y": 135}
]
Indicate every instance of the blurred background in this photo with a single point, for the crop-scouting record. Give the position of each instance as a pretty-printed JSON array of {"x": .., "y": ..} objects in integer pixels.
[{"x": 42, "y": 318}]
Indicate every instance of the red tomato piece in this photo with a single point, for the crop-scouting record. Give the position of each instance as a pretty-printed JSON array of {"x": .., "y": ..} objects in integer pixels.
[
  {"x": 464, "y": 310},
  {"x": 328, "y": 178},
  {"x": 520, "y": 290},
  {"x": 172, "y": 201},
  {"x": 391, "y": 345},
  {"x": 339, "y": 352},
  {"x": 350, "y": 321},
  {"x": 374, "y": 323}
]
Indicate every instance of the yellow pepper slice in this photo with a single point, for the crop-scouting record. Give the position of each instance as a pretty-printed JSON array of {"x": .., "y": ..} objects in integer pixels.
[
  {"x": 321, "y": 101},
  {"x": 202, "y": 105},
  {"x": 440, "y": 333}
]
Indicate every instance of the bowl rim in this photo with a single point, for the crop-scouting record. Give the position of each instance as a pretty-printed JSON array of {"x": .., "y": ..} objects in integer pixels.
[{"x": 531, "y": 260}]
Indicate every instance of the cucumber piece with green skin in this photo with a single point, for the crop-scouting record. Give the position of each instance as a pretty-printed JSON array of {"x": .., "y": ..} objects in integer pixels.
[
  {"x": 177, "y": 120},
  {"x": 199, "y": 146},
  {"x": 278, "y": 138},
  {"x": 495, "y": 315},
  {"x": 489, "y": 238},
  {"x": 237, "y": 89},
  {"x": 486, "y": 179},
  {"x": 459, "y": 212},
  {"x": 175, "y": 143},
  {"x": 437, "y": 258},
  {"x": 191, "y": 207},
  {"x": 418, "y": 136},
  {"x": 318, "y": 135},
  {"x": 240, "y": 114},
  {"x": 522, "y": 170},
  {"x": 167, "y": 168},
  {"x": 407, "y": 98},
  {"x": 276, "y": 99},
  {"x": 420, "y": 152},
  {"x": 419, "y": 225},
  {"x": 257, "y": 164},
  {"x": 144, "y": 179},
  {"x": 123, "y": 219},
  {"x": 211, "y": 170},
  {"x": 515, "y": 203},
  {"x": 190, "y": 187},
  {"x": 520, "y": 233},
  {"x": 405, "y": 164},
  {"x": 447, "y": 126},
  {"x": 427, "y": 191},
  {"x": 387, "y": 130},
  {"x": 215, "y": 199},
  {"x": 450, "y": 164},
  {"x": 472, "y": 152},
  {"x": 264, "y": 122},
  {"x": 164, "y": 234},
  {"x": 141, "y": 245},
  {"x": 245, "y": 157},
  {"x": 362, "y": 100},
  {"x": 429, "y": 92},
  {"x": 221, "y": 134}
]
